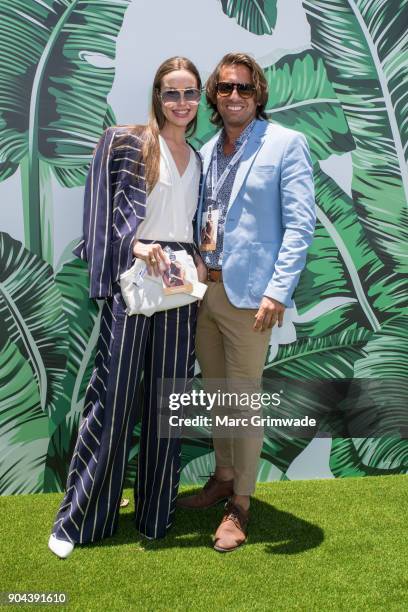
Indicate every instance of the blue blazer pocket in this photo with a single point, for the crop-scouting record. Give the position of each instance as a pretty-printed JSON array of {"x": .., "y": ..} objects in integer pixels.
[
  {"x": 269, "y": 168},
  {"x": 262, "y": 177}
]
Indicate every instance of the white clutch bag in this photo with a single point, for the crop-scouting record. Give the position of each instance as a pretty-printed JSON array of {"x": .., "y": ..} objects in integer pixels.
[{"x": 146, "y": 294}]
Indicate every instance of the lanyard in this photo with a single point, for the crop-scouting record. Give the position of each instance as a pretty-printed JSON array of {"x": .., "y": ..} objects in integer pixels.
[{"x": 217, "y": 184}]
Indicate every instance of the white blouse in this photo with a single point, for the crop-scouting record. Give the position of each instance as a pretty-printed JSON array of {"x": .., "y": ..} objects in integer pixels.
[{"x": 171, "y": 205}]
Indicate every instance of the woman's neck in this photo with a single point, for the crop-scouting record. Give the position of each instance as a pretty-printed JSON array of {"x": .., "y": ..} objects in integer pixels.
[{"x": 174, "y": 133}]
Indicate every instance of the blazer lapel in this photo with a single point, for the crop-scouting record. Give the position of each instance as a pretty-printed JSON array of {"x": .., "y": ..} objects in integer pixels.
[{"x": 254, "y": 144}]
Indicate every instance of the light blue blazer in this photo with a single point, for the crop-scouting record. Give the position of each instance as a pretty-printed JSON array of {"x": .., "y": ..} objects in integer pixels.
[{"x": 271, "y": 216}]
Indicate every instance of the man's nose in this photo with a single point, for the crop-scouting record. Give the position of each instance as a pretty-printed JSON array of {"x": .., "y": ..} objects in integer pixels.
[{"x": 235, "y": 95}]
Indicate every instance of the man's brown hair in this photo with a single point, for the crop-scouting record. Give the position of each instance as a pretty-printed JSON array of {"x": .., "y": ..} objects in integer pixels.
[{"x": 258, "y": 79}]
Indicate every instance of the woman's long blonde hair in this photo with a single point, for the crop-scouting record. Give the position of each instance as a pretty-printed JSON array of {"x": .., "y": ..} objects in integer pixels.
[{"x": 151, "y": 145}]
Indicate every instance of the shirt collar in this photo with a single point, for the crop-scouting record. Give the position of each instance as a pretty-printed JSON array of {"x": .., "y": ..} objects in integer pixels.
[{"x": 244, "y": 134}]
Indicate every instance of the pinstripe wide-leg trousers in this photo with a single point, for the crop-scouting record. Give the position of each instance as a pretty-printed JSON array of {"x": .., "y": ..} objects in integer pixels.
[{"x": 163, "y": 347}]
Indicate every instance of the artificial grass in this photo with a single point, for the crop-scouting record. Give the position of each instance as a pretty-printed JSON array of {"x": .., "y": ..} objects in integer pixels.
[{"x": 313, "y": 545}]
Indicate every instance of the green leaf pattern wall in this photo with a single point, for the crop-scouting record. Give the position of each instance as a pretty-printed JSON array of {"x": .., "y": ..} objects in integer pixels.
[{"x": 339, "y": 75}]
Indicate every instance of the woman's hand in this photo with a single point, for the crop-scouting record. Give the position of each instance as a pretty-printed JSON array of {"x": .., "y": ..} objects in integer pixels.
[
  {"x": 202, "y": 272},
  {"x": 153, "y": 255}
]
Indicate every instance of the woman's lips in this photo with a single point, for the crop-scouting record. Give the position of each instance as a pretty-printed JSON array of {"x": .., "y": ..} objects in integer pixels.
[{"x": 181, "y": 114}]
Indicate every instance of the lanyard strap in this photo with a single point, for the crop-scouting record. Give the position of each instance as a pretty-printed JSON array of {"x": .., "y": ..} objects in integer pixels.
[{"x": 217, "y": 184}]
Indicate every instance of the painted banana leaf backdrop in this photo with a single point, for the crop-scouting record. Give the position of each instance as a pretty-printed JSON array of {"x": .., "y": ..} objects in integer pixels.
[{"x": 347, "y": 94}]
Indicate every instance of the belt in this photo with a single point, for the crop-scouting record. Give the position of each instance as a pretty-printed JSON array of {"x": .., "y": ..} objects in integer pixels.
[{"x": 214, "y": 276}]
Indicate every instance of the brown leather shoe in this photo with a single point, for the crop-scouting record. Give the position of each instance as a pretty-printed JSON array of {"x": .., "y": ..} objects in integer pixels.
[
  {"x": 213, "y": 492},
  {"x": 233, "y": 529}
]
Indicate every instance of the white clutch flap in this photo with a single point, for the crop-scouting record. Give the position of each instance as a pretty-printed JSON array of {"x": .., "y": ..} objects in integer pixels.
[{"x": 144, "y": 293}]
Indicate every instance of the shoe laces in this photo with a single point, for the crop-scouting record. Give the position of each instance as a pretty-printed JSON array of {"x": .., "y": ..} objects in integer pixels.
[{"x": 232, "y": 513}]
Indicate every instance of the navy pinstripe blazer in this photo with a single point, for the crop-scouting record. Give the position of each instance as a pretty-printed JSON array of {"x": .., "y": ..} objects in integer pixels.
[{"x": 114, "y": 206}]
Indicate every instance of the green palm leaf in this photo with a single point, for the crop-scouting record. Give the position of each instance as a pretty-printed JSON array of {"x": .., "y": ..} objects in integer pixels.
[
  {"x": 192, "y": 448},
  {"x": 280, "y": 449},
  {"x": 303, "y": 372},
  {"x": 388, "y": 453},
  {"x": 383, "y": 376},
  {"x": 200, "y": 467},
  {"x": 380, "y": 399},
  {"x": 31, "y": 316},
  {"x": 301, "y": 97},
  {"x": 368, "y": 75},
  {"x": 7, "y": 169},
  {"x": 319, "y": 358},
  {"x": 205, "y": 129},
  {"x": 66, "y": 49},
  {"x": 386, "y": 352},
  {"x": 268, "y": 472},
  {"x": 345, "y": 461},
  {"x": 23, "y": 425},
  {"x": 325, "y": 298},
  {"x": 132, "y": 465},
  {"x": 76, "y": 176},
  {"x": 83, "y": 317},
  {"x": 257, "y": 16},
  {"x": 341, "y": 264},
  {"x": 60, "y": 449}
]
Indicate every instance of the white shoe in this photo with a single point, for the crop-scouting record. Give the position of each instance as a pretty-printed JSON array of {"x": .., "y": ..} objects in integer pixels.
[
  {"x": 61, "y": 548},
  {"x": 146, "y": 536}
]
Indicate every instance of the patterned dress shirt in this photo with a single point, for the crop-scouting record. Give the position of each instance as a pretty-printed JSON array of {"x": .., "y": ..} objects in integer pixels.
[{"x": 213, "y": 259}]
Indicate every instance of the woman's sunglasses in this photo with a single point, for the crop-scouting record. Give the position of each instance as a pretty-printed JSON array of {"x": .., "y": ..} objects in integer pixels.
[
  {"x": 175, "y": 96},
  {"x": 245, "y": 90}
]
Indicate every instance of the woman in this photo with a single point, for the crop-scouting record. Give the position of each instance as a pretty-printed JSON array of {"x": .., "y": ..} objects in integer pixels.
[{"x": 141, "y": 195}]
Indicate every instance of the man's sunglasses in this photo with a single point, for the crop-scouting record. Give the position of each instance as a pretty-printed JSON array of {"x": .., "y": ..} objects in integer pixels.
[
  {"x": 175, "y": 96},
  {"x": 245, "y": 90}
]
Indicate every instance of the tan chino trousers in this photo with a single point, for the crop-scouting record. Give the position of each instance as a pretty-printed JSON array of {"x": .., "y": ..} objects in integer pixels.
[{"x": 228, "y": 348}]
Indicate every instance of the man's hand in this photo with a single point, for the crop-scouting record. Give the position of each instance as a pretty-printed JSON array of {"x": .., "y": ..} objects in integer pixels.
[
  {"x": 270, "y": 311},
  {"x": 155, "y": 258}
]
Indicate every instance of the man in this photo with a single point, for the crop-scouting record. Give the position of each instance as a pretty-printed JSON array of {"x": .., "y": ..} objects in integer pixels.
[{"x": 258, "y": 187}]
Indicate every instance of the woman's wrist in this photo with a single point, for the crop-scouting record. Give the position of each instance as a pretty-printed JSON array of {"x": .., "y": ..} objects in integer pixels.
[{"x": 135, "y": 247}]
